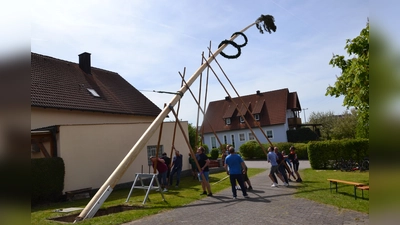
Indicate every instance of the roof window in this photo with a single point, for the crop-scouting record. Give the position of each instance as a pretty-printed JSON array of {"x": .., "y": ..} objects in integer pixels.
[{"x": 93, "y": 92}]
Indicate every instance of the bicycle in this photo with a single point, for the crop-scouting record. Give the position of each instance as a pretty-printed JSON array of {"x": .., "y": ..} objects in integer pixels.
[{"x": 364, "y": 164}]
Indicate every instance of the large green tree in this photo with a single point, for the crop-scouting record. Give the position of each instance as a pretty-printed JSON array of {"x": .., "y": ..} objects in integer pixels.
[
  {"x": 353, "y": 83},
  {"x": 327, "y": 119},
  {"x": 192, "y": 136},
  {"x": 336, "y": 126},
  {"x": 345, "y": 125}
]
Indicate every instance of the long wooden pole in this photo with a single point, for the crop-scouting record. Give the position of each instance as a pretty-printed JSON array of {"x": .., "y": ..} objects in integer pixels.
[{"x": 140, "y": 144}]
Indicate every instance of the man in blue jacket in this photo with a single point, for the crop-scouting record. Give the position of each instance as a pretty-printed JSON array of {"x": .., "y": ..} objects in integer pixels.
[{"x": 235, "y": 168}]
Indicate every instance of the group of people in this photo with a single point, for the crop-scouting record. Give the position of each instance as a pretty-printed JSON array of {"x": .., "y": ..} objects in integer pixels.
[
  {"x": 166, "y": 170},
  {"x": 281, "y": 167}
]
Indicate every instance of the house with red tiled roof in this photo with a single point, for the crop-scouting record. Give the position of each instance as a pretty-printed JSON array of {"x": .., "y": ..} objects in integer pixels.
[
  {"x": 91, "y": 118},
  {"x": 275, "y": 112}
]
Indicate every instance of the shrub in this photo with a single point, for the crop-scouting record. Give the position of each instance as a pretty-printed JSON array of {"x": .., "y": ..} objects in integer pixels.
[
  {"x": 207, "y": 150},
  {"x": 214, "y": 153},
  {"x": 323, "y": 153},
  {"x": 47, "y": 176}
]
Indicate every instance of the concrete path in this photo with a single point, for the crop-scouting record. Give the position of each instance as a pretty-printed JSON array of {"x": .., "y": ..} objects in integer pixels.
[{"x": 267, "y": 205}]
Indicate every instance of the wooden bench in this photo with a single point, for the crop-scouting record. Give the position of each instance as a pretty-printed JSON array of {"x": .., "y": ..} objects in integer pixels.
[
  {"x": 213, "y": 163},
  {"x": 355, "y": 184},
  {"x": 362, "y": 188}
]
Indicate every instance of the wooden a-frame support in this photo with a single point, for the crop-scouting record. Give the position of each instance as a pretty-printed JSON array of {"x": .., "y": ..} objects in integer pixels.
[{"x": 116, "y": 175}]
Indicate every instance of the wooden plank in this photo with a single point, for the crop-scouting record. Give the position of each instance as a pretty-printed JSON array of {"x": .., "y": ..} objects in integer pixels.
[
  {"x": 363, "y": 187},
  {"x": 346, "y": 182}
]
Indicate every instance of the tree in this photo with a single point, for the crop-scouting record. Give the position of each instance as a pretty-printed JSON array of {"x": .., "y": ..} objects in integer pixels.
[
  {"x": 345, "y": 125},
  {"x": 327, "y": 119},
  {"x": 192, "y": 136},
  {"x": 353, "y": 83}
]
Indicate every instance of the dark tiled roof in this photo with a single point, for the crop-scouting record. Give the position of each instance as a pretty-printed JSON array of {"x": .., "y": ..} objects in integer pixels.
[
  {"x": 270, "y": 105},
  {"x": 61, "y": 84}
]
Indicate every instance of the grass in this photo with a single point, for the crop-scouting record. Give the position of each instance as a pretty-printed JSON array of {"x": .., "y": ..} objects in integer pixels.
[
  {"x": 316, "y": 187},
  {"x": 188, "y": 192}
]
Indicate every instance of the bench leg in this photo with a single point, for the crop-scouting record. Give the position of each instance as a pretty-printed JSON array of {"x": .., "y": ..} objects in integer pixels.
[{"x": 355, "y": 193}]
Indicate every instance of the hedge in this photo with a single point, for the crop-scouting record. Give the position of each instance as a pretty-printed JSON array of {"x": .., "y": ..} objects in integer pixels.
[
  {"x": 252, "y": 150},
  {"x": 323, "y": 154},
  {"x": 47, "y": 176}
]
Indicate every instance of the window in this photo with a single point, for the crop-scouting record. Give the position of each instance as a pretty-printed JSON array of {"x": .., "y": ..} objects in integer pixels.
[
  {"x": 251, "y": 136},
  {"x": 257, "y": 116},
  {"x": 233, "y": 139},
  {"x": 269, "y": 133},
  {"x": 241, "y": 119},
  {"x": 93, "y": 92},
  {"x": 225, "y": 139},
  {"x": 152, "y": 150},
  {"x": 228, "y": 121},
  {"x": 213, "y": 142},
  {"x": 242, "y": 137}
]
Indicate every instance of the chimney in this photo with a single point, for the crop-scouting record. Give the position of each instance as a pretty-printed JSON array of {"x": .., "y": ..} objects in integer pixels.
[
  {"x": 227, "y": 98},
  {"x": 84, "y": 62},
  {"x": 258, "y": 92}
]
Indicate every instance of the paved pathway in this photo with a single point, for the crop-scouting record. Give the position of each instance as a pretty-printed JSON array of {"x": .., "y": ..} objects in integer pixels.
[{"x": 267, "y": 205}]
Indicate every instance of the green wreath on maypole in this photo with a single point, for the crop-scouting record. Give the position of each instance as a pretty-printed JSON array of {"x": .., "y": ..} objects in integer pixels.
[{"x": 263, "y": 23}]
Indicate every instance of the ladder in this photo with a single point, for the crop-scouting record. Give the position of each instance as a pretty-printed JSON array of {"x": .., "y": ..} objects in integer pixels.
[{"x": 139, "y": 177}]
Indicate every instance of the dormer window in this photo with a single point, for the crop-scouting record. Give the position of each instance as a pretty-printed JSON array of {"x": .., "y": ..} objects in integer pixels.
[
  {"x": 241, "y": 119},
  {"x": 228, "y": 121},
  {"x": 93, "y": 92},
  {"x": 257, "y": 116}
]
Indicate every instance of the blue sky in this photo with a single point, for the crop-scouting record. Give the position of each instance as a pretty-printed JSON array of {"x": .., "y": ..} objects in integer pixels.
[{"x": 149, "y": 42}]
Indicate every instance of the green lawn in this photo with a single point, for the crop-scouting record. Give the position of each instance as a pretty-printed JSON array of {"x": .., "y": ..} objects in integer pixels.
[
  {"x": 188, "y": 192},
  {"x": 316, "y": 187}
]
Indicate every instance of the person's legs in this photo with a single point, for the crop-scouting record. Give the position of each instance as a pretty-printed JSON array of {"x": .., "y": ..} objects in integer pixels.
[
  {"x": 296, "y": 168},
  {"x": 178, "y": 176},
  {"x": 272, "y": 175},
  {"x": 159, "y": 180},
  {"x": 203, "y": 186},
  {"x": 207, "y": 183},
  {"x": 282, "y": 171},
  {"x": 233, "y": 185},
  {"x": 239, "y": 179},
  {"x": 171, "y": 176},
  {"x": 164, "y": 177},
  {"x": 194, "y": 173}
]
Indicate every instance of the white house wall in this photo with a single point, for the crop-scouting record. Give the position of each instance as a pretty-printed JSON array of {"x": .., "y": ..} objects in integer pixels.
[
  {"x": 92, "y": 152},
  {"x": 279, "y": 135},
  {"x": 41, "y": 117}
]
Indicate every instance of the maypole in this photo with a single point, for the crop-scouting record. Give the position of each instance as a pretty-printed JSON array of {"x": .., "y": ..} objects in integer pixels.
[{"x": 265, "y": 22}]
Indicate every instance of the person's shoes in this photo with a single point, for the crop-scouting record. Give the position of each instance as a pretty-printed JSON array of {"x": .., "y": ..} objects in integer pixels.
[
  {"x": 204, "y": 193},
  {"x": 210, "y": 194},
  {"x": 246, "y": 196},
  {"x": 250, "y": 188},
  {"x": 234, "y": 197},
  {"x": 165, "y": 190},
  {"x": 274, "y": 185},
  {"x": 286, "y": 184},
  {"x": 299, "y": 180},
  {"x": 176, "y": 186},
  {"x": 290, "y": 180}
]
